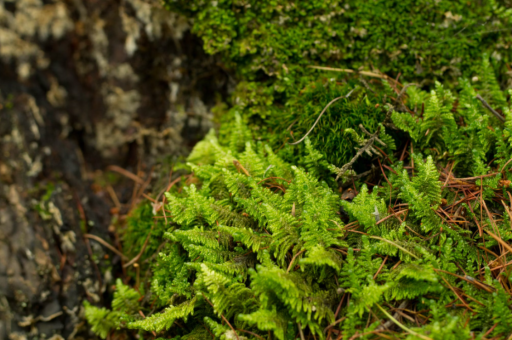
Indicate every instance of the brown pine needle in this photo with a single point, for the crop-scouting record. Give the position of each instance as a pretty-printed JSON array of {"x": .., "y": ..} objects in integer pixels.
[
  {"x": 136, "y": 258},
  {"x": 500, "y": 241},
  {"x": 410, "y": 331},
  {"x": 293, "y": 259},
  {"x": 126, "y": 173},
  {"x": 223, "y": 318},
  {"x": 106, "y": 244}
]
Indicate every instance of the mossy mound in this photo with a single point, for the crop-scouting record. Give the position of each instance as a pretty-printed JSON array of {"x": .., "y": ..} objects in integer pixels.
[
  {"x": 252, "y": 246},
  {"x": 420, "y": 39},
  {"x": 265, "y": 241},
  {"x": 270, "y": 46}
]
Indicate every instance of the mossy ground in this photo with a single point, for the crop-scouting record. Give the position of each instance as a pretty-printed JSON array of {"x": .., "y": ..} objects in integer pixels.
[
  {"x": 270, "y": 46},
  {"x": 263, "y": 240}
]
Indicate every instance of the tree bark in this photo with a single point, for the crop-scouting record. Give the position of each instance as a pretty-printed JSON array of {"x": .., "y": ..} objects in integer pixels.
[{"x": 83, "y": 85}]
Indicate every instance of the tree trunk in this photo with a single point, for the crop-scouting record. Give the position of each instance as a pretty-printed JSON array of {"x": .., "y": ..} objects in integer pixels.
[{"x": 84, "y": 84}]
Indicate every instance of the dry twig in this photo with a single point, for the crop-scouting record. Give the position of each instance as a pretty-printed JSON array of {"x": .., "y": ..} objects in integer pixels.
[
  {"x": 488, "y": 107},
  {"x": 320, "y": 116}
]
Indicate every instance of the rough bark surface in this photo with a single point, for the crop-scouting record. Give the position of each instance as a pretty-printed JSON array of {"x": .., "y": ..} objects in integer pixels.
[{"x": 83, "y": 85}]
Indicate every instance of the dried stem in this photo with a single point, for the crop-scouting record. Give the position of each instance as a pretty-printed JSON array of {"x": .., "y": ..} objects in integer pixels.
[
  {"x": 300, "y": 331},
  {"x": 320, "y": 116},
  {"x": 106, "y": 244},
  {"x": 365, "y": 148},
  {"x": 293, "y": 259},
  {"x": 223, "y": 318},
  {"x": 126, "y": 173},
  {"x": 488, "y": 107},
  {"x": 136, "y": 258},
  {"x": 400, "y": 325}
]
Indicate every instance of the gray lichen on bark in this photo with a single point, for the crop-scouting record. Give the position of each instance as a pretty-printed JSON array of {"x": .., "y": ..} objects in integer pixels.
[{"x": 84, "y": 84}]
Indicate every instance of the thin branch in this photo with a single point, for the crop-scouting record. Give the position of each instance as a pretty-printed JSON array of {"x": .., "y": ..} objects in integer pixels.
[
  {"x": 402, "y": 326},
  {"x": 223, "y": 318},
  {"x": 320, "y": 116},
  {"x": 469, "y": 279},
  {"x": 396, "y": 245},
  {"x": 334, "y": 324},
  {"x": 503, "y": 168},
  {"x": 499, "y": 240},
  {"x": 293, "y": 259},
  {"x": 126, "y": 173},
  {"x": 288, "y": 181},
  {"x": 488, "y": 107},
  {"x": 136, "y": 258},
  {"x": 402, "y": 92},
  {"x": 372, "y": 171},
  {"x": 380, "y": 268},
  {"x": 457, "y": 294},
  {"x": 49, "y": 317},
  {"x": 406, "y": 86},
  {"x": 366, "y": 147},
  {"x": 253, "y": 334},
  {"x": 346, "y": 70},
  {"x": 300, "y": 331},
  {"x": 392, "y": 215},
  {"x": 113, "y": 196},
  {"x": 106, "y": 244}
]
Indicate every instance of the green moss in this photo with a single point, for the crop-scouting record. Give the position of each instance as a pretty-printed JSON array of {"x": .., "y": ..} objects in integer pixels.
[
  {"x": 419, "y": 38},
  {"x": 139, "y": 224},
  {"x": 261, "y": 245},
  {"x": 270, "y": 44},
  {"x": 330, "y": 133}
]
